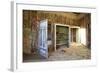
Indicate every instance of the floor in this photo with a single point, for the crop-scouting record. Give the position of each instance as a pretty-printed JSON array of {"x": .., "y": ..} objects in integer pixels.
[{"x": 74, "y": 52}]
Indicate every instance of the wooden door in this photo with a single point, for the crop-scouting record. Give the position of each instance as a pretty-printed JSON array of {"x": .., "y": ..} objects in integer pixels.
[{"x": 42, "y": 46}]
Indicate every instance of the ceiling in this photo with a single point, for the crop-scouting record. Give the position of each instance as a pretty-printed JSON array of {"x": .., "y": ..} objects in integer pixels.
[{"x": 71, "y": 15}]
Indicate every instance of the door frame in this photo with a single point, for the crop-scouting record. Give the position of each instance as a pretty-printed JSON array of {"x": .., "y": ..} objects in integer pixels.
[
  {"x": 56, "y": 24},
  {"x": 77, "y": 33}
]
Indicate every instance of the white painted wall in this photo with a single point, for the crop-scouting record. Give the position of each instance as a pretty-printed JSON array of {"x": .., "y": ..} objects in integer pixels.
[
  {"x": 82, "y": 33},
  {"x": 78, "y": 35}
]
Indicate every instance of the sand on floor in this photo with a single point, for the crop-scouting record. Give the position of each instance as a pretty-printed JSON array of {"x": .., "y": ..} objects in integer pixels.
[{"x": 76, "y": 51}]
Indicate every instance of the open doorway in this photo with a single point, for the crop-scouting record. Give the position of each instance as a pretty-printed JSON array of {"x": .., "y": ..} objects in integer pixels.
[
  {"x": 61, "y": 36},
  {"x": 75, "y": 34}
]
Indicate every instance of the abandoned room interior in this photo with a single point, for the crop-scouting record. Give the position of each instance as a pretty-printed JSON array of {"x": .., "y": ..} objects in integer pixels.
[{"x": 56, "y": 36}]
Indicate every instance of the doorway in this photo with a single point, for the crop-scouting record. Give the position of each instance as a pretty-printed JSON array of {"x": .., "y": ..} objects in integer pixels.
[
  {"x": 74, "y": 34},
  {"x": 61, "y": 36}
]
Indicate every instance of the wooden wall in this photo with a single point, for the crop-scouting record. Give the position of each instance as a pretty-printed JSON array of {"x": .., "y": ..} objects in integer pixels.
[
  {"x": 56, "y": 18},
  {"x": 28, "y": 15}
]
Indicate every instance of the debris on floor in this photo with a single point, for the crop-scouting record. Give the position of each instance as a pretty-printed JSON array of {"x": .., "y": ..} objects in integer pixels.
[{"x": 74, "y": 52}]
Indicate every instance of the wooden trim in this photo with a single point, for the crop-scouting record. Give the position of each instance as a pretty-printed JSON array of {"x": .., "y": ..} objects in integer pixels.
[
  {"x": 77, "y": 27},
  {"x": 55, "y": 31}
]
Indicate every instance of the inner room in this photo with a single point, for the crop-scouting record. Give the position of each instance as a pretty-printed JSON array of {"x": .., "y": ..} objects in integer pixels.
[{"x": 56, "y": 36}]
